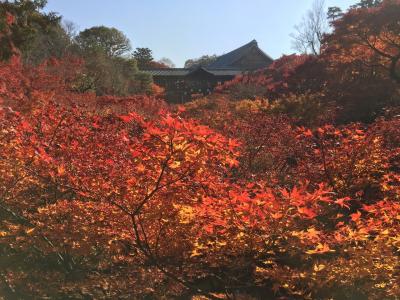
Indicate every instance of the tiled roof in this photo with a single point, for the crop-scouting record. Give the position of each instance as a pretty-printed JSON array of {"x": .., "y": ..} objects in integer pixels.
[
  {"x": 221, "y": 67},
  {"x": 226, "y": 72},
  {"x": 187, "y": 71},
  {"x": 168, "y": 72},
  {"x": 226, "y": 60}
]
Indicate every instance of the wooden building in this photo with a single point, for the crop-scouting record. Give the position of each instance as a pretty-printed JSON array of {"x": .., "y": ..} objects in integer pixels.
[{"x": 182, "y": 84}]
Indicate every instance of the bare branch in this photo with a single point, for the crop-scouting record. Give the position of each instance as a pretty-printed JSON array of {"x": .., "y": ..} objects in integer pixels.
[{"x": 309, "y": 33}]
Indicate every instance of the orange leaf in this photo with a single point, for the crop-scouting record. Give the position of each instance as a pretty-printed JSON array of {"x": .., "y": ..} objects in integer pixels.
[
  {"x": 127, "y": 118},
  {"x": 307, "y": 212},
  {"x": 356, "y": 216},
  {"x": 342, "y": 202}
]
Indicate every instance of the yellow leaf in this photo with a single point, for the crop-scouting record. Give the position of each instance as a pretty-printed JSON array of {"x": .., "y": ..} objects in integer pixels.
[
  {"x": 175, "y": 164},
  {"x": 221, "y": 244},
  {"x": 29, "y": 231},
  {"x": 61, "y": 170},
  {"x": 321, "y": 248},
  {"x": 277, "y": 215},
  {"x": 318, "y": 268},
  {"x": 195, "y": 253}
]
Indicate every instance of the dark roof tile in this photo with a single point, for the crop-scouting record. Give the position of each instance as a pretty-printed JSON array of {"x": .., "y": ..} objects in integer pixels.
[
  {"x": 221, "y": 67},
  {"x": 168, "y": 72},
  {"x": 226, "y": 60},
  {"x": 184, "y": 72}
]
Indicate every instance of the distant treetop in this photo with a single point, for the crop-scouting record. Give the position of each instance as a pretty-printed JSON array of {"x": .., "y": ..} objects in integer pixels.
[
  {"x": 202, "y": 61},
  {"x": 109, "y": 40}
]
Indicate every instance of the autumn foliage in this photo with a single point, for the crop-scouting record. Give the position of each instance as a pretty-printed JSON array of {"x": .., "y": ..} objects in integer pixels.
[{"x": 241, "y": 195}]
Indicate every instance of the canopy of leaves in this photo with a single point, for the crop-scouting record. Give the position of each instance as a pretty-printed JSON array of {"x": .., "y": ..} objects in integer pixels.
[
  {"x": 267, "y": 189},
  {"x": 37, "y": 37},
  {"x": 20, "y": 22},
  {"x": 377, "y": 46},
  {"x": 202, "y": 61},
  {"x": 143, "y": 57},
  {"x": 110, "y": 41}
]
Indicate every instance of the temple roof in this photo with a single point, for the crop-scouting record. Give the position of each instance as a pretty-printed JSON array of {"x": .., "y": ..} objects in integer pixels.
[
  {"x": 226, "y": 60},
  {"x": 187, "y": 71},
  {"x": 168, "y": 72},
  {"x": 223, "y": 66}
]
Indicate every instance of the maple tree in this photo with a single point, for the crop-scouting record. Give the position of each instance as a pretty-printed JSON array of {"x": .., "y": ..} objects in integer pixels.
[
  {"x": 254, "y": 192},
  {"x": 358, "y": 166},
  {"x": 377, "y": 46},
  {"x": 279, "y": 238},
  {"x": 133, "y": 167},
  {"x": 354, "y": 79}
]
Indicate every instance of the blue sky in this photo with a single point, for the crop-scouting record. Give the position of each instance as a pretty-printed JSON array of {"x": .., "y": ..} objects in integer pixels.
[{"x": 183, "y": 29}]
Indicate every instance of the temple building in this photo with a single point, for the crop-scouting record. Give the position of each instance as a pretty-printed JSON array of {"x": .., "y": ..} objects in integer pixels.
[{"x": 183, "y": 84}]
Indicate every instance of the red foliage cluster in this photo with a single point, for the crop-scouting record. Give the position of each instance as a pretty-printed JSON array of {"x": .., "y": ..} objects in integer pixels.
[
  {"x": 108, "y": 197},
  {"x": 272, "y": 80},
  {"x": 355, "y": 77},
  {"x": 376, "y": 46},
  {"x": 316, "y": 189},
  {"x": 24, "y": 88}
]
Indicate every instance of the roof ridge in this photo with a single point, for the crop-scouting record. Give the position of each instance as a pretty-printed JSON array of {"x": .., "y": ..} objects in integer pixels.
[
  {"x": 151, "y": 69},
  {"x": 251, "y": 43},
  {"x": 227, "y": 59}
]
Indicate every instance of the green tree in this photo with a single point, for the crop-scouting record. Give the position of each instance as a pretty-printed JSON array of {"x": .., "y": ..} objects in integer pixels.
[
  {"x": 144, "y": 57},
  {"x": 21, "y": 21},
  {"x": 116, "y": 75},
  {"x": 111, "y": 72},
  {"x": 366, "y": 4},
  {"x": 52, "y": 42},
  {"x": 111, "y": 41},
  {"x": 143, "y": 82},
  {"x": 334, "y": 13}
]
